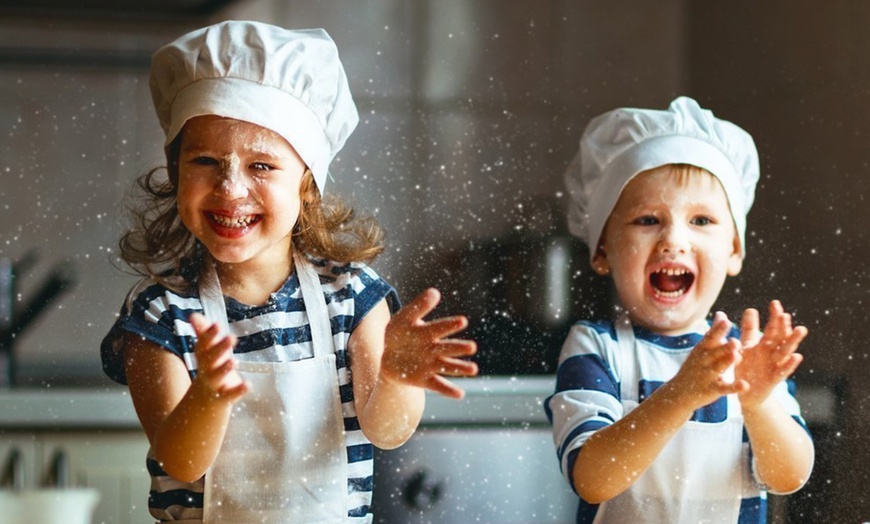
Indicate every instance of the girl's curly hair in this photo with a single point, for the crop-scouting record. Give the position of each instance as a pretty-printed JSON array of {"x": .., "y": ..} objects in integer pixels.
[{"x": 158, "y": 245}]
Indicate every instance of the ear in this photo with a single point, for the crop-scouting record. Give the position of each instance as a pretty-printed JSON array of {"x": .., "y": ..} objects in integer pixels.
[
  {"x": 600, "y": 264},
  {"x": 735, "y": 261}
]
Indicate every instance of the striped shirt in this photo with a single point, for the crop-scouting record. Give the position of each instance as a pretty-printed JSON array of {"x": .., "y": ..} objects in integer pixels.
[
  {"x": 589, "y": 396},
  {"x": 160, "y": 316}
]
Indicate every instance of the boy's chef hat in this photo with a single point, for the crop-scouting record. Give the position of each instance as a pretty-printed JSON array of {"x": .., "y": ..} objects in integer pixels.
[
  {"x": 291, "y": 82},
  {"x": 621, "y": 143}
]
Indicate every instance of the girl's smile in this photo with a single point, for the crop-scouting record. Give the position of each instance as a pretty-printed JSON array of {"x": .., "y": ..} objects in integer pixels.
[{"x": 230, "y": 225}]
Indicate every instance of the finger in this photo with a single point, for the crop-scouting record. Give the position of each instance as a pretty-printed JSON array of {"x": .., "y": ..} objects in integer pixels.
[
  {"x": 202, "y": 326},
  {"x": 420, "y": 306},
  {"x": 455, "y": 348},
  {"x": 738, "y": 386},
  {"x": 717, "y": 333},
  {"x": 726, "y": 356},
  {"x": 217, "y": 353},
  {"x": 790, "y": 345},
  {"x": 749, "y": 327},
  {"x": 455, "y": 367},
  {"x": 791, "y": 365},
  {"x": 237, "y": 392},
  {"x": 442, "y": 327},
  {"x": 775, "y": 323},
  {"x": 441, "y": 385}
]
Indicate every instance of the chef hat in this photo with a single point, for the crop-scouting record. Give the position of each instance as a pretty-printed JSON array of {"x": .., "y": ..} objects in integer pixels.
[
  {"x": 621, "y": 143},
  {"x": 291, "y": 82}
]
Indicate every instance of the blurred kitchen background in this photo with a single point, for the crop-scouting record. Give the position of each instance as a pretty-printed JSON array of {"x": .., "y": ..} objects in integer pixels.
[{"x": 470, "y": 111}]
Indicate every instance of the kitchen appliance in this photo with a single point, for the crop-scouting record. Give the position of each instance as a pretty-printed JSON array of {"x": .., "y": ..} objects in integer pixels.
[
  {"x": 15, "y": 318},
  {"x": 522, "y": 293},
  {"x": 488, "y": 458}
]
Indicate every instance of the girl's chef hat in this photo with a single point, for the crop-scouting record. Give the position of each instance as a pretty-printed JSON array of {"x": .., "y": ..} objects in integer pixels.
[
  {"x": 291, "y": 82},
  {"x": 621, "y": 143}
]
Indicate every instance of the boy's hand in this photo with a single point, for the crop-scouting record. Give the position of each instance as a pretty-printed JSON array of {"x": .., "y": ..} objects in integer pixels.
[
  {"x": 768, "y": 357},
  {"x": 216, "y": 368},
  {"x": 700, "y": 380},
  {"x": 416, "y": 352}
]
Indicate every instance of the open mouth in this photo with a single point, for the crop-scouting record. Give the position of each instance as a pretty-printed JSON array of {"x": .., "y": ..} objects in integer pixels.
[
  {"x": 233, "y": 222},
  {"x": 671, "y": 282}
]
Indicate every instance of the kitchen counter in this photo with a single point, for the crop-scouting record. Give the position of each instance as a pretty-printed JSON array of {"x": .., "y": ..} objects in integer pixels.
[
  {"x": 67, "y": 408},
  {"x": 501, "y": 400},
  {"x": 488, "y": 400}
]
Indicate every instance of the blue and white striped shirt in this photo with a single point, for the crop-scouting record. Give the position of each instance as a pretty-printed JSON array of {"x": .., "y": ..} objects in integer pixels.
[
  {"x": 589, "y": 396},
  {"x": 160, "y": 316}
]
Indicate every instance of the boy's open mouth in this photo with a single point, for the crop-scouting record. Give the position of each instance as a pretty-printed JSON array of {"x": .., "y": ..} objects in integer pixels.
[{"x": 671, "y": 282}]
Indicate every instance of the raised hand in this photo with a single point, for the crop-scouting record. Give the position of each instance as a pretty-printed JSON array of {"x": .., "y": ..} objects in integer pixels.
[
  {"x": 215, "y": 364},
  {"x": 417, "y": 353},
  {"x": 768, "y": 357},
  {"x": 701, "y": 379}
]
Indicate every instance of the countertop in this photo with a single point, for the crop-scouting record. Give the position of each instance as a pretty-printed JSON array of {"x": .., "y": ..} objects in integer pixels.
[{"x": 488, "y": 400}]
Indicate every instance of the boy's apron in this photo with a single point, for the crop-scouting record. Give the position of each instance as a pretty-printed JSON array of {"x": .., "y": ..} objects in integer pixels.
[
  {"x": 283, "y": 457},
  {"x": 697, "y": 478}
]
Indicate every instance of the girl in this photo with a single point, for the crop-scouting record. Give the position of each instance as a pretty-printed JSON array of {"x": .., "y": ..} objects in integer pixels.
[{"x": 259, "y": 349}]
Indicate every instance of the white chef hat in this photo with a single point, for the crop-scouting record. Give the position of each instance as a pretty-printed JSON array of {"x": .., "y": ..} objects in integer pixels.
[
  {"x": 291, "y": 82},
  {"x": 619, "y": 144}
]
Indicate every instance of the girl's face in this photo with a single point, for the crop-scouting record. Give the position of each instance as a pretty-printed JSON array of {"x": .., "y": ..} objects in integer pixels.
[
  {"x": 238, "y": 190},
  {"x": 669, "y": 243}
]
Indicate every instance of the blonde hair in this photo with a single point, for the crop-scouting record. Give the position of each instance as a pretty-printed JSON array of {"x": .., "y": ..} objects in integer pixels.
[{"x": 158, "y": 245}]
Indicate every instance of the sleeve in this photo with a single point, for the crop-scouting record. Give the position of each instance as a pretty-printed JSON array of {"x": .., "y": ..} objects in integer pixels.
[
  {"x": 149, "y": 313},
  {"x": 587, "y": 396},
  {"x": 368, "y": 290}
]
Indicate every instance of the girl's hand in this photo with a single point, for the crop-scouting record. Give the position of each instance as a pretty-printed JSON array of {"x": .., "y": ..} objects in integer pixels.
[
  {"x": 416, "y": 352},
  {"x": 768, "y": 357},
  {"x": 216, "y": 367},
  {"x": 700, "y": 380}
]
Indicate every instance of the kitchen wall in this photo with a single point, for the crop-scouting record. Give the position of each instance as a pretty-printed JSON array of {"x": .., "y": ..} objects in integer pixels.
[{"x": 470, "y": 111}]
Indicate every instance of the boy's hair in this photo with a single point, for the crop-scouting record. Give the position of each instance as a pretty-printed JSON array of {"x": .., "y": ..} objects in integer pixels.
[{"x": 158, "y": 245}]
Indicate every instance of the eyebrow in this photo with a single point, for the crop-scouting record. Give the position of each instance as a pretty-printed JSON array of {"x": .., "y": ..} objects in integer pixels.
[{"x": 197, "y": 148}]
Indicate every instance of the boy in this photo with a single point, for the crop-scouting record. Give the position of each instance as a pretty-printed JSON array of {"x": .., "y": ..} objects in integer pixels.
[{"x": 664, "y": 416}]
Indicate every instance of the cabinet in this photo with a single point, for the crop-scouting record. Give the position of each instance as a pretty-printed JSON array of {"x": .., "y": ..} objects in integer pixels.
[{"x": 113, "y": 462}]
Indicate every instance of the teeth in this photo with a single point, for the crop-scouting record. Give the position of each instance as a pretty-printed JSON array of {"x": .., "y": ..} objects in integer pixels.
[
  {"x": 670, "y": 294},
  {"x": 673, "y": 272},
  {"x": 241, "y": 221}
]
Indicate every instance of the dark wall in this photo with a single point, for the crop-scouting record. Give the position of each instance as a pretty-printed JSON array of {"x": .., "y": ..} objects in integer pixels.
[{"x": 795, "y": 75}]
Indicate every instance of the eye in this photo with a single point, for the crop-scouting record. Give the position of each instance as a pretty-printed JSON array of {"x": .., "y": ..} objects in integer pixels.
[
  {"x": 645, "y": 220},
  {"x": 701, "y": 221},
  {"x": 262, "y": 166},
  {"x": 203, "y": 161}
]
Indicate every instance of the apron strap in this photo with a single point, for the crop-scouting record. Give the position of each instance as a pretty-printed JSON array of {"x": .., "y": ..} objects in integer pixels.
[
  {"x": 212, "y": 298},
  {"x": 315, "y": 306},
  {"x": 626, "y": 358},
  {"x": 215, "y": 309}
]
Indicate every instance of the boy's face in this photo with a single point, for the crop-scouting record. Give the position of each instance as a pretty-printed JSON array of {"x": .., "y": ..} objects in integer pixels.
[{"x": 669, "y": 243}]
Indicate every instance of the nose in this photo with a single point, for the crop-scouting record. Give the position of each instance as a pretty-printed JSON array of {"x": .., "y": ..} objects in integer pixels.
[
  {"x": 674, "y": 239},
  {"x": 232, "y": 183}
]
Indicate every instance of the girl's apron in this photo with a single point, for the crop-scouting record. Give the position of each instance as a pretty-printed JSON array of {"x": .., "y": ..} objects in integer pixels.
[
  {"x": 283, "y": 457},
  {"x": 697, "y": 478}
]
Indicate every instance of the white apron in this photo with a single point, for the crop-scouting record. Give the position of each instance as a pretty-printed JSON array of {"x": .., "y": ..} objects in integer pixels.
[
  {"x": 283, "y": 458},
  {"x": 699, "y": 475}
]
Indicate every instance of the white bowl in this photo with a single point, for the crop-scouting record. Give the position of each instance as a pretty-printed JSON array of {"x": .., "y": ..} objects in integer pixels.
[{"x": 48, "y": 506}]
